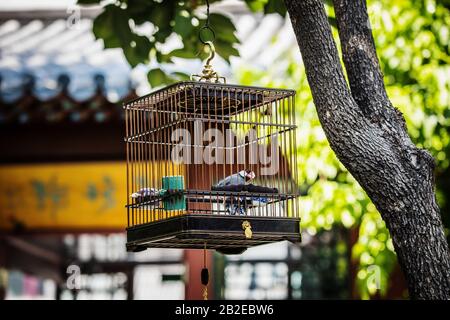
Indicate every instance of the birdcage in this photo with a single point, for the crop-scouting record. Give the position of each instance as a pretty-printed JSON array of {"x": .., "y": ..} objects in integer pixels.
[{"x": 211, "y": 165}]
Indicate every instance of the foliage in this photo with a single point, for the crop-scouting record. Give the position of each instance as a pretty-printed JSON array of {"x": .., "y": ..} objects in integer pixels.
[
  {"x": 142, "y": 27},
  {"x": 412, "y": 39}
]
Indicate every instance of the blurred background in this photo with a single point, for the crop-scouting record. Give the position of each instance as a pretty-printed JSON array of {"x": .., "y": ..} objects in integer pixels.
[{"x": 62, "y": 169}]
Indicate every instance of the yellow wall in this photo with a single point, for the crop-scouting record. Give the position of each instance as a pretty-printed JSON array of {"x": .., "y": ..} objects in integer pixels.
[{"x": 64, "y": 196}]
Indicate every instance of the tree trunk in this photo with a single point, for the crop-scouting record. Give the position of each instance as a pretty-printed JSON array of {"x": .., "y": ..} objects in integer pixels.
[{"x": 369, "y": 137}]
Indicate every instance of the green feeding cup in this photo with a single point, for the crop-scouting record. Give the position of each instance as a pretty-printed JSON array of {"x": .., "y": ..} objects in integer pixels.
[{"x": 174, "y": 202}]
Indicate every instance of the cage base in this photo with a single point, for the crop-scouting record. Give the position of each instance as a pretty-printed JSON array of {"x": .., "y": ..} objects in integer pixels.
[{"x": 222, "y": 233}]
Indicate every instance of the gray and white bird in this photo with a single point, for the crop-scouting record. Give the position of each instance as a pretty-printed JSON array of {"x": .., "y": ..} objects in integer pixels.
[{"x": 242, "y": 177}]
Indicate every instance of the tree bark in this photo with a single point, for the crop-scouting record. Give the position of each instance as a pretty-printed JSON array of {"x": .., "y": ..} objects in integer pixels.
[{"x": 370, "y": 138}]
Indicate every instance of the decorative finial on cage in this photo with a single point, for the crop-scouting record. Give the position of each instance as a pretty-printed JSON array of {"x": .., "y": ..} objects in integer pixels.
[{"x": 208, "y": 74}]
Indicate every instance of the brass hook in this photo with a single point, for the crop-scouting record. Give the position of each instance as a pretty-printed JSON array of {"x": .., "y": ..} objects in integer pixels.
[
  {"x": 212, "y": 52},
  {"x": 208, "y": 74}
]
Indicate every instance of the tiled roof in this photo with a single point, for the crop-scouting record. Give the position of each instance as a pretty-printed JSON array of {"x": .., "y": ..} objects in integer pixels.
[
  {"x": 52, "y": 70},
  {"x": 48, "y": 49},
  {"x": 54, "y": 73},
  {"x": 62, "y": 107}
]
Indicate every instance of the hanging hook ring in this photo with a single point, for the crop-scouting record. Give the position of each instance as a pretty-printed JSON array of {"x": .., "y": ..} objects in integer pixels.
[{"x": 201, "y": 34}]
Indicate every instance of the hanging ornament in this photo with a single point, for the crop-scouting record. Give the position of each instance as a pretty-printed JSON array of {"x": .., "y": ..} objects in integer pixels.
[{"x": 204, "y": 275}]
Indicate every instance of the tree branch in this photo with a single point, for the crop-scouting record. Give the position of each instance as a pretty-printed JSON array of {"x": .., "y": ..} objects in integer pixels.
[
  {"x": 359, "y": 54},
  {"x": 341, "y": 118},
  {"x": 364, "y": 71}
]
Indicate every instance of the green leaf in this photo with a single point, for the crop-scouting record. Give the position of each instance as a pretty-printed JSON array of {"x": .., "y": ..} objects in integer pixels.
[
  {"x": 142, "y": 48},
  {"x": 139, "y": 10},
  {"x": 221, "y": 23},
  {"x": 183, "y": 25},
  {"x": 225, "y": 50},
  {"x": 225, "y": 36},
  {"x": 267, "y": 6},
  {"x": 256, "y": 5},
  {"x": 132, "y": 58},
  {"x": 161, "y": 16},
  {"x": 112, "y": 26},
  {"x": 162, "y": 58},
  {"x": 183, "y": 53},
  {"x": 275, "y": 6},
  {"x": 162, "y": 34},
  {"x": 156, "y": 77}
]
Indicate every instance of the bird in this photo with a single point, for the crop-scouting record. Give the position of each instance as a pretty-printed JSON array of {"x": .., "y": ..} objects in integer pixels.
[
  {"x": 240, "y": 178},
  {"x": 236, "y": 205},
  {"x": 144, "y": 192}
]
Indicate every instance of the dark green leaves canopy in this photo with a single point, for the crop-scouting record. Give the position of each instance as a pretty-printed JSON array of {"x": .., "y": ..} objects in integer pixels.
[{"x": 141, "y": 27}]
